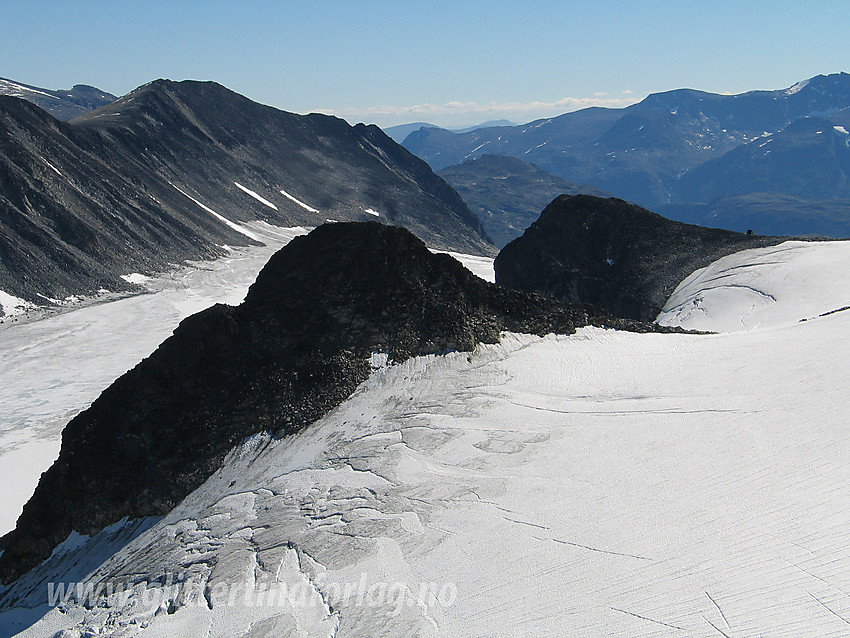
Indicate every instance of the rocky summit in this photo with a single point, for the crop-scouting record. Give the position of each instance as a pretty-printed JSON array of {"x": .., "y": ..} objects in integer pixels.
[
  {"x": 612, "y": 254},
  {"x": 300, "y": 343}
]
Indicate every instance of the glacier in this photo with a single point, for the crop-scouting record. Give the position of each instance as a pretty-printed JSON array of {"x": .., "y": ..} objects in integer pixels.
[{"x": 598, "y": 484}]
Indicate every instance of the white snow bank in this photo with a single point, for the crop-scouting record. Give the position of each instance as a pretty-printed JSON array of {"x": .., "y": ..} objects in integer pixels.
[
  {"x": 18, "y": 90},
  {"x": 52, "y": 167},
  {"x": 763, "y": 287},
  {"x": 238, "y": 228},
  {"x": 135, "y": 278},
  {"x": 797, "y": 87},
  {"x": 13, "y": 305},
  {"x": 298, "y": 201},
  {"x": 480, "y": 266},
  {"x": 256, "y": 196},
  {"x": 372, "y": 211}
]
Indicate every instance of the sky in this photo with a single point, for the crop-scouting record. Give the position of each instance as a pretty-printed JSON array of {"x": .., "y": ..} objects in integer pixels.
[{"x": 447, "y": 63}]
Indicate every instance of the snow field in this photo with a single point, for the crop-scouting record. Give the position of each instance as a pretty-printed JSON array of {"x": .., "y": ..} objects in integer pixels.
[
  {"x": 599, "y": 484},
  {"x": 762, "y": 287}
]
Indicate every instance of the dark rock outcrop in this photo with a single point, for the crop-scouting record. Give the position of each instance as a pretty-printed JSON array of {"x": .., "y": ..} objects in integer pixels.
[
  {"x": 298, "y": 346},
  {"x": 612, "y": 254}
]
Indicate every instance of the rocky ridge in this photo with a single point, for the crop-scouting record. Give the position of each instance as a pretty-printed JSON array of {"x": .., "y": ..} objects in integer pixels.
[{"x": 319, "y": 314}]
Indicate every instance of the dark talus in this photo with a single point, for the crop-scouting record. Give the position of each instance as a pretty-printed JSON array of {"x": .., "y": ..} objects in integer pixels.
[
  {"x": 298, "y": 346},
  {"x": 614, "y": 255}
]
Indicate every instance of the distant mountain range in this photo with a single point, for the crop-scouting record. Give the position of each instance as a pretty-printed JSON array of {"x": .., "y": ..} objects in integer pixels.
[
  {"x": 683, "y": 150},
  {"x": 507, "y": 194},
  {"x": 401, "y": 131},
  {"x": 63, "y": 104},
  {"x": 172, "y": 171}
]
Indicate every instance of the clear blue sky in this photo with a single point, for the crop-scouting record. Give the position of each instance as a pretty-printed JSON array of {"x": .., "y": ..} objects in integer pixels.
[{"x": 450, "y": 63}]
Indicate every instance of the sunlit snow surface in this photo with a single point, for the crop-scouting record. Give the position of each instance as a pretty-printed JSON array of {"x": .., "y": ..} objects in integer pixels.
[
  {"x": 599, "y": 484},
  {"x": 12, "y": 305},
  {"x": 763, "y": 287},
  {"x": 53, "y": 368},
  {"x": 479, "y": 266}
]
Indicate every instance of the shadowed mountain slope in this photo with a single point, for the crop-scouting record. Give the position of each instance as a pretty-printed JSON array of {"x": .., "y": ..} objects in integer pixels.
[
  {"x": 617, "y": 256},
  {"x": 172, "y": 170},
  {"x": 507, "y": 194}
]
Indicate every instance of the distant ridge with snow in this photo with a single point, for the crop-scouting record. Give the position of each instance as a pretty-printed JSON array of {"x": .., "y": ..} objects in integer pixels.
[
  {"x": 61, "y": 104},
  {"x": 776, "y": 162}
]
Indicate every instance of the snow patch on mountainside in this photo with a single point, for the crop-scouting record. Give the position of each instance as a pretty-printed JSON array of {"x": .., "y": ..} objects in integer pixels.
[
  {"x": 256, "y": 196},
  {"x": 797, "y": 87},
  {"x": 18, "y": 90},
  {"x": 135, "y": 278},
  {"x": 12, "y": 305},
  {"x": 52, "y": 167},
  {"x": 298, "y": 201},
  {"x": 762, "y": 287},
  {"x": 238, "y": 228}
]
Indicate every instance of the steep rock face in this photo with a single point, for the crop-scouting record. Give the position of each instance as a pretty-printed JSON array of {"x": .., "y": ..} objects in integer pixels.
[
  {"x": 617, "y": 256},
  {"x": 298, "y": 346},
  {"x": 72, "y": 221},
  {"x": 170, "y": 171}
]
